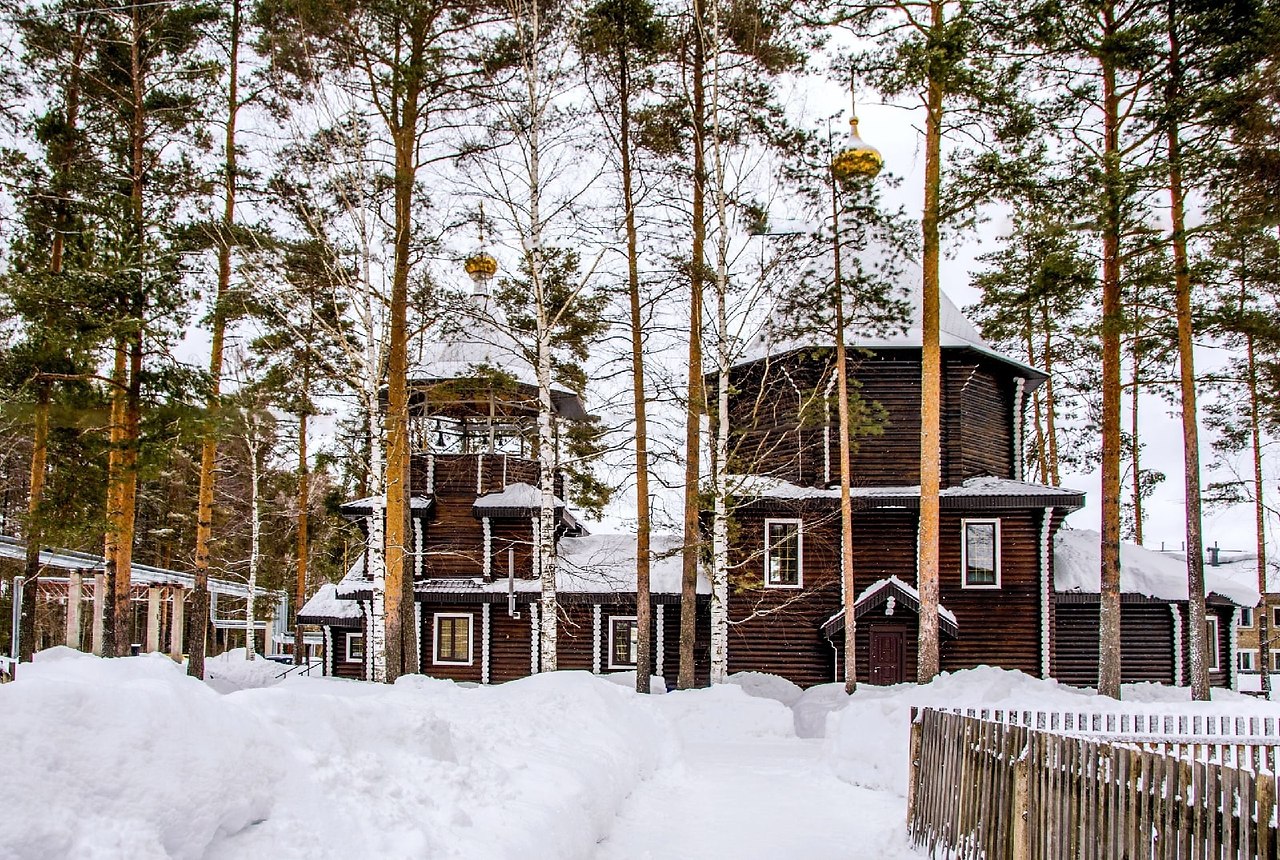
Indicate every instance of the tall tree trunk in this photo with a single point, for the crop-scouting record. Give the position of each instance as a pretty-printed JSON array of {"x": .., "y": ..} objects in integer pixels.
[
  {"x": 695, "y": 406},
  {"x": 125, "y": 479},
  {"x": 1050, "y": 406},
  {"x": 848, "y": 591},
  {"x": 33, "y": 530},
  {"x": 1187, "y": 376},
  {"x": 115, "y": 457},
  {"x": 197, "y": 634},
  {"x": 1259, "y": 521},
  {"x": 401, "y": 639},
  {"x": 1037, "y": 409},
  {"x": 1112, "y": 326},
  {"x": 1135, "y": 445},
  {"x": 644, "y": 606},
  {"x": 254, "y": 441},
  {"x": 930, "y": 377},
  {"x": 304, "y": 502}
]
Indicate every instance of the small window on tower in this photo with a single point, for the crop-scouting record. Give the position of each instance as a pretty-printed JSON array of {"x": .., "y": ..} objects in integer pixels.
[{"x": 980, "y": 553}]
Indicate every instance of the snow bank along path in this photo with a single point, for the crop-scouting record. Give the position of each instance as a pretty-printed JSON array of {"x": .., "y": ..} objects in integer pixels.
[{"x": 131, "y": 758}]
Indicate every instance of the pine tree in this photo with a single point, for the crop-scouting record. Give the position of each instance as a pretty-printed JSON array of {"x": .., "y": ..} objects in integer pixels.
[{"x": 620, "y": 40}]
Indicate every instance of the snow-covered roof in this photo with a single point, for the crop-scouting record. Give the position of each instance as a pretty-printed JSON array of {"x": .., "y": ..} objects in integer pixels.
[
  {"x": 954, "y": 331},
  {"x": 1077, "y": 555},
  {"x": 139, "y": 574},
  {"x": 590, "y": 564},
  {"x": 879, "y": 593},
  {"x": 988, "y": 488},
  {"x": 607, "y": 562},
  {"x": 458, "y": 352},
  {"x": 1239, "y": 566},
  {"x": 517, "y": 495},
  {"x": 368, "y": 503},
  {"x": 325, "y": 604}
]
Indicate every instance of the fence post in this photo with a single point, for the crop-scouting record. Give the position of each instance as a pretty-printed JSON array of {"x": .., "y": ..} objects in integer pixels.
[
  {"x": 1265, "y": 797},
  {"x": 913, "y": 762},
  {"x": 1021, "y": 848}
]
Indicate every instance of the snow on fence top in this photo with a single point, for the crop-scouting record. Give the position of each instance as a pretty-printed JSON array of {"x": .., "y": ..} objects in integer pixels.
[{"x": 1077, "y": 557}]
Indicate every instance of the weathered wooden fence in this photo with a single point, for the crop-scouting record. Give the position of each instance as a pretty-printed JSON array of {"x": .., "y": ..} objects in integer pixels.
[{"x": 1049, "y": 785}]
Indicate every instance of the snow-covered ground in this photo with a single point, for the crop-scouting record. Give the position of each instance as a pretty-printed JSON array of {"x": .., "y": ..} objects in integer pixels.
[{"x": 131, "y": 758}]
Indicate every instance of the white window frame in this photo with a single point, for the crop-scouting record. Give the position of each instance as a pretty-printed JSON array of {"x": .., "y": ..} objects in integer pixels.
[
  {"x": 435, "y": 638},
  {"x": 1246, "y": 617},
  {"x": 799, "y": 524},
  {"x": 611, "y": 619},
  {"x": 1214, "y": 650},
  {"x": 1252, "y": 660},
  {"x": 1275, "y": 660},
  {"x": 346, "y": 655},
  {"x": 964, "y": 554},
  {"x": 1275, "y": 617}
]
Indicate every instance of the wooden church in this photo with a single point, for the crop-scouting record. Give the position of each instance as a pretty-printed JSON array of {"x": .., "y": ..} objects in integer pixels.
[{"x": 475, "y": 512}]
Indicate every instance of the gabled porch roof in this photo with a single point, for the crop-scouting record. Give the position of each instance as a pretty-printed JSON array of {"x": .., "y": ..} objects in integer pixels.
[{"x": 878, "y": 594}]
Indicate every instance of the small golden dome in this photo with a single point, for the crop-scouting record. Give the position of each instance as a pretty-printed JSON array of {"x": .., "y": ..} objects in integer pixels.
[
  {"x": 857, "y": 160},
  {"x": 481, "y": 266}
]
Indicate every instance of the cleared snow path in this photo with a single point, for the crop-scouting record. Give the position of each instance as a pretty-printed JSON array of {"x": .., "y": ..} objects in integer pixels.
[{"x": 755, "y": 796}]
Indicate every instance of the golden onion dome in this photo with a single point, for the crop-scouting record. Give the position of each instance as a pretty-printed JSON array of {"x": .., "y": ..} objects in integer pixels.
[
  {"x": 480, "y": 266},
  {"x": 857, "y": 160}
]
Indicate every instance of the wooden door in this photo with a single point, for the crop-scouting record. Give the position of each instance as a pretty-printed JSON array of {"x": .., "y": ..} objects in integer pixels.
[{"x": 887, "y": 656}]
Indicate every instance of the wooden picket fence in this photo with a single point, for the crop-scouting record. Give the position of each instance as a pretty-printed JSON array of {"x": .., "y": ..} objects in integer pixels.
[{"x": 1048, "y": 785}]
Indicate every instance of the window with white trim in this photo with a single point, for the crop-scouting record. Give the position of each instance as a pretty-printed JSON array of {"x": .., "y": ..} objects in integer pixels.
[
  {"x": 1247, "y": 661},
  {"x": 1275, "y": 617},
  {"x": 355, "y": 648},
  {"x": 1213, "y": 652},
  {"x": 1275, "y": 661},
  {"x": 451, "y": 643},
  {"x": 1246, "y": 616},
  {"x": 980, "y": 553},
  {"x": 623, "y": 635},
  {"x": 783, "y": 554}
]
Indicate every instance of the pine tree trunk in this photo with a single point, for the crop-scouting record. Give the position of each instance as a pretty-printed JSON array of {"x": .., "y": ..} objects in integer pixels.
[
  {"x": 199, "y": 624},
  {"x": 401, "y": 643},
  {"x": 115, "y": 456},
  {"x": 1112, "y": 326},
  {"x": 695, "y": 406},
  {"x": 927, "y": 665},
  {"x": 304, "y": 502},
  {"x": 1135, "y": 446},
  {"x": 33, "y": 530},
  {"x": 848, "y": 590},
  {"x": 1187, "y": 379},
  {"x": 644, "y": 602},
  {"x": 1050, "y": 406},
  {"x": 1260, "y": 521}
]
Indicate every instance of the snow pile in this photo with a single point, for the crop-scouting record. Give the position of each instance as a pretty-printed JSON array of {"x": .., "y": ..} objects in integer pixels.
[
  {"x": 132, "y": 758},
  {"x": 725, "y": 712},
  {"x": 765, "y": 686},
  {"x": 230, "y": 671},
  {"x": 867, "y": 740},
  {"x": 129, "y": 758},
  {"x": 1077, "y": 561}
]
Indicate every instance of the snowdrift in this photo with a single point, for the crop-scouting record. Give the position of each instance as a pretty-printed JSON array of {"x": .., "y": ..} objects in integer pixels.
[
  {"x": 867, "y": 740},
  {"x": 131, "y": 758}
]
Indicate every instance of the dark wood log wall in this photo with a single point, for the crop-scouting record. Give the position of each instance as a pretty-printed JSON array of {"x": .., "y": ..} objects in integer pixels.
[
  {"x": 996, "y": 626},
  {"x": 339, "y": 666},
  {"x": 778, "y": 416},
  {"x": 1146, "y": 643}
]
